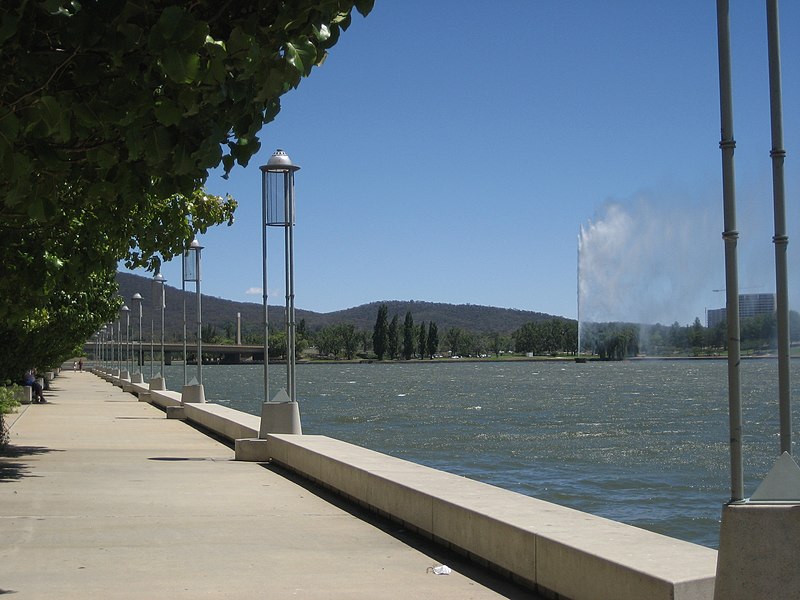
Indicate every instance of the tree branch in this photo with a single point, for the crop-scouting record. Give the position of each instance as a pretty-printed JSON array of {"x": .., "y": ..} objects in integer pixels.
[{"x": 44, "y": 86}]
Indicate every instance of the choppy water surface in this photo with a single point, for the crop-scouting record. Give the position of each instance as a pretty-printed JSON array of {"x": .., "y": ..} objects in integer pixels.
[{"x": 643, "y": 442}]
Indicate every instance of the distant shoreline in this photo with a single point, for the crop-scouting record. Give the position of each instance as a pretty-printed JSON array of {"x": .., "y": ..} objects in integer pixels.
[
  {"x": 534, "y": 359},
  {"x": 516, "y": 359}
]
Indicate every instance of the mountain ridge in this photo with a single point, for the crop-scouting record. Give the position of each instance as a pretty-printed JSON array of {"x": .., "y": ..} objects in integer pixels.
[{"x": 221, "y": 313}]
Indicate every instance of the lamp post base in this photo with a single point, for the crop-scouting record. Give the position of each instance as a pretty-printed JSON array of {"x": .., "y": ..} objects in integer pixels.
[
  {"x": 194, "y": 393},
  {"x": 758, "y": 539},
  {"x": 158, "y": 383},
  {"x": 280, "y": 417},
  {"x": 757, "y": 552}
]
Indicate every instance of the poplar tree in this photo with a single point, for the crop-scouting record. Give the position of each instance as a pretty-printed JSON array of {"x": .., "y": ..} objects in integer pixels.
[
  {"x": 408, "y": 336},
  {"x": 380, "y": 334},
  {"x": 433, "y": 339},
  {"x": 393, "y": 342},
  {"x": 423, "y": 340}
]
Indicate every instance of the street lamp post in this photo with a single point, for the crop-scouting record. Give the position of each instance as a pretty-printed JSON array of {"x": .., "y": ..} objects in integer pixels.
[
  {"x": 109, "y": 353},
  {"x": 119, "y": 345},
  {"x": 282, "y": 415},
  {"x": 137, "y": 376},
  {"x": 110, "y": 326},
  {"x": 183, "y": 301},
  {"x": 195, "y": 250},
  {"x": 757, "y": 534},
  {"x": 159, "y": 383},
  {"x": 103, "y": 332},
  {"x": 152, "y": 317},
  {"x": 126, "y": 374},
  {"x": 193, "y": 392}
]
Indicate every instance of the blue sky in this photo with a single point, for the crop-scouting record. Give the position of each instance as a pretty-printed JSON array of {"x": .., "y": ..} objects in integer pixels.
[{"x": 452, "y": 153}]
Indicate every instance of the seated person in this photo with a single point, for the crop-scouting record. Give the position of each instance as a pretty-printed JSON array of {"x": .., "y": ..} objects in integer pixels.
[{"x": 36, "y": 389}]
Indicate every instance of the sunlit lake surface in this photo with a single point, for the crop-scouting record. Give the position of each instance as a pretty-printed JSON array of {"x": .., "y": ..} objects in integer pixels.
[{"x": 643, "y": 442}]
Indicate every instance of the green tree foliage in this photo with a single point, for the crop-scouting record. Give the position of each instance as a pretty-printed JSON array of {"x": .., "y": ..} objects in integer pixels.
[
  {"x": 351, "y": 338},
  {"x": 452, "y": 339},
  {"x": 618, "y": 340},
  {"x": 380, "y": 334},
  {"x": 393, "y": 338},
  {"x": 433, "y": 339},
  {"x": 547, "y": 337},
  {"x": 678, "y": 336},
  {"x": 55, "y": 332},
  {"x": 210, "y": 335},
  {"x": 338, "y": 339},
  {"x": 619, "y": 343},
  {"x": 409, "y": 339},
  {"x": 327, "y": 341},
  {"x": 759, "y": 330},
  {"x": 111, "y": 115},
  {"x": 277, "y": 344},
  {"x": 470, "y": 344},
  {"x": 500, "y": 343},
  {"x": 422, "y": 340},
  {"x": 131, "y": 100},
  {"x": 696, "y": 336},
  {"x": 8, "y": 403}
]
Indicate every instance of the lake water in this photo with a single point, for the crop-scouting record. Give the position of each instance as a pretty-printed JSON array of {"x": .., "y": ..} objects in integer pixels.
[{"x": 642, "y": 442}]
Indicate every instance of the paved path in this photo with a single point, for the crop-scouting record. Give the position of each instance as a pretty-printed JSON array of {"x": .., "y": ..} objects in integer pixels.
[{"x": 102, "y": 497}]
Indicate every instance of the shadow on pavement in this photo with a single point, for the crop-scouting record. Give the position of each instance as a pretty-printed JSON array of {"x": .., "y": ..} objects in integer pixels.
[{"x": 14, "y": 470}]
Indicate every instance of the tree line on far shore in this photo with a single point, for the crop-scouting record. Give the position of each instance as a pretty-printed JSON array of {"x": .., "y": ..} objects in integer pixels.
[
  {"x": 393, "y": 339},
  {"x": 616, "y": 341}
]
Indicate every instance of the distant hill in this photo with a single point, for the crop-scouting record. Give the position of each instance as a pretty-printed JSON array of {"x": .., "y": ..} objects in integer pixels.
[
  {"x": 221, "y": 313},
  {"x": 471, "y": 317}
]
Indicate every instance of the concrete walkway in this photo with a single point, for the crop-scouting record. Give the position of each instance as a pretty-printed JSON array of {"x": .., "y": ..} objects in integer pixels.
[{"x": 102, "y": 497}]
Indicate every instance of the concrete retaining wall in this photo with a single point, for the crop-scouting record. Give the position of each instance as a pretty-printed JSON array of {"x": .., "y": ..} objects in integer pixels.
[
  {"x": 227, "y": 422},
  {"x": 165, "y": 398},
  {"x": 560, "y": 550}
]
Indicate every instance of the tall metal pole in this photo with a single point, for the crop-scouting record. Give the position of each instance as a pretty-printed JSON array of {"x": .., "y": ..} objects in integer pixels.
[
  {"x": 578, "y": 352},
  {"x": 159, "y": 279},
  {"x": 127, "y": 312},
  {"x": 152, "y": 318},
  {"x": 111, "y": 345},
  {"x": 183, "y": 297},
  {"x": 780, "y": 239},
  {"x": 196, "y": 249},
  {"x": 290, "y": 317},
  {"x": 282, "y": 415},
  {"x": 163, "y": 306},
  {"x": 119, "y": 345},
  {"x": 730, "y": 235},
  {"x": 265, "y": 295},
  {"x": 139, "y": 359}
]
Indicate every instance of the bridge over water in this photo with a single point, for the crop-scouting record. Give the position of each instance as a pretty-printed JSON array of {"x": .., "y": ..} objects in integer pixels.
[{"x": 227, "y": 354}]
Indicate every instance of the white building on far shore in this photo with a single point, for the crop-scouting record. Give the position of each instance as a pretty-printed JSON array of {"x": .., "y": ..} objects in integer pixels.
[{"x": 750, "y": 305}]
